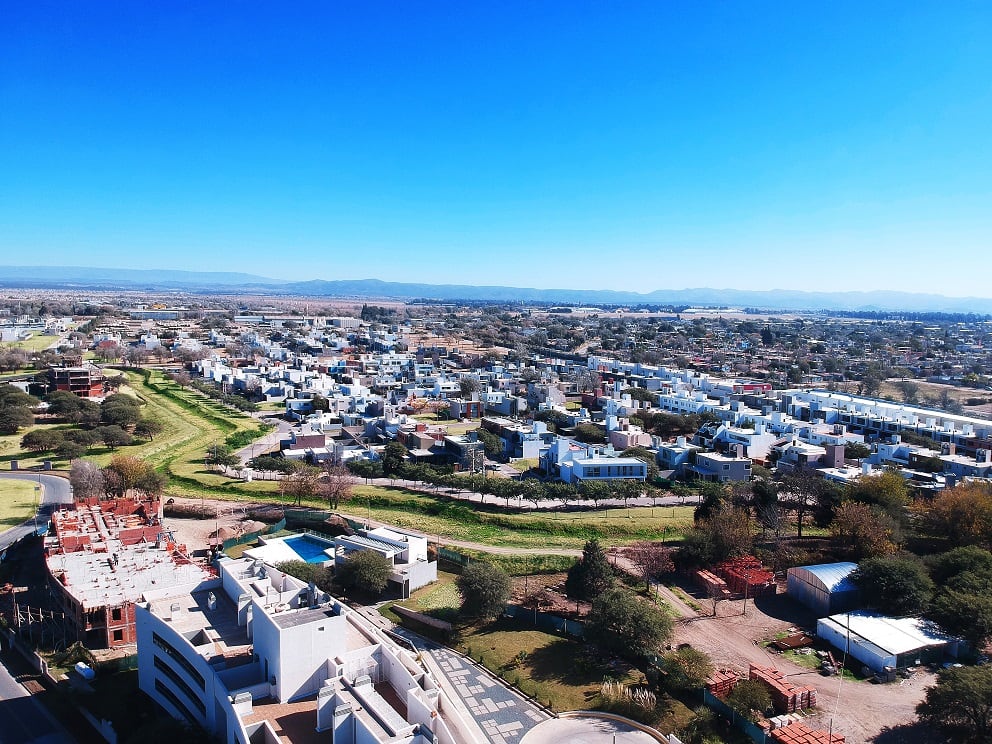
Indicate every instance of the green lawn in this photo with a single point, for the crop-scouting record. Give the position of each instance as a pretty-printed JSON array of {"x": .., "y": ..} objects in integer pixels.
[
  {"x": 35, "y": 343},
  {"x": 568, "y": 530},
  {"x": 18, "y": 502},
  {"x": 554, "y": 670}
]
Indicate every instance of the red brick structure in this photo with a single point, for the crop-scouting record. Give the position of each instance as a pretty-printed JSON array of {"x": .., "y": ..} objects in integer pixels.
[
  {"x": 103, "y": 556},
  {"x": 86, "y": 381}
]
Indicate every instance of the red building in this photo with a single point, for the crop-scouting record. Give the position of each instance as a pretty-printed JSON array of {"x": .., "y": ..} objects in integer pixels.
[{"x": 86, "y": 381}]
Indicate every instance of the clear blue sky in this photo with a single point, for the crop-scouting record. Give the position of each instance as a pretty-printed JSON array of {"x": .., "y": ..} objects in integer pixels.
[{"x": 619, "y": 145}]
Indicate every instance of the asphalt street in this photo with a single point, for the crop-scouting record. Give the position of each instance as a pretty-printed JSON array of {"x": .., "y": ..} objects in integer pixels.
[
  {"x": 55, "y": 491},
  {"x": 23, "y": 720}
]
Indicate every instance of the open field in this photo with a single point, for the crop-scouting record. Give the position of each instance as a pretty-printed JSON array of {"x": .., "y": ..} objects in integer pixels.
[
  {"x": 18, "y": 502},
  {"x": 192, "y": 423},
  {"x": 565, "y": 530},
  {"x": 35, "y": 343}
]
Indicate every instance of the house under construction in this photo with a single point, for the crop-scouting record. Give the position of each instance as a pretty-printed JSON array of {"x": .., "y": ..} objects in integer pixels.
[{"x": 105, "y": 555}]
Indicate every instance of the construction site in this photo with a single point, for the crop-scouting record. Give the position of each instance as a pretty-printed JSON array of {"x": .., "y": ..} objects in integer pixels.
[{"x": 103, "y": 556}]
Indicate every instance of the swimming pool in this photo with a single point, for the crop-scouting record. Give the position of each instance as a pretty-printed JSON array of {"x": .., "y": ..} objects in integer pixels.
[{"x": 309, "y": 548}]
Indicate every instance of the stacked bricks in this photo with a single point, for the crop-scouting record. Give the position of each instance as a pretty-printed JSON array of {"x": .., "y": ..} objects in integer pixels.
[
  {"x": 786, "y": 697},
  {"x": 712, "y": 584},
  {"x": 747, "y": 573},
  {"x": 800, "y": 733},
  {"x": 722, "y": 683}
]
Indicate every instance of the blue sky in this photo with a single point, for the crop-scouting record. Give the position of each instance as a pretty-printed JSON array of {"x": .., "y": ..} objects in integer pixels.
[{"x": 633, "y": 146}]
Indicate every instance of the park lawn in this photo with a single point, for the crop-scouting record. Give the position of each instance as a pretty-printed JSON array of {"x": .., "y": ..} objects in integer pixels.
[
  {"x": 192, "y": 423},
  {"x": 35, "y": 343},
  {"x": 567, "y": 530},
  {"x": 10, "y": 448},
  {"x": 18, "y": 502},
  {"x": 439, "y": 599}
]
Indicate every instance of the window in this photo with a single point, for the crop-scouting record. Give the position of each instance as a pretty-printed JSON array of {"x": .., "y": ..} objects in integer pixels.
[
  {"x": 181, "y": 660},
  {"x": 178, "y": 681},
  {"x": 115, "y": 614},
  {"x": 118, "y": 635}
]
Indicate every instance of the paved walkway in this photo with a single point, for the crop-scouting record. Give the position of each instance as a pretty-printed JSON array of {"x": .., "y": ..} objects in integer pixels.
[{"x": 503, "y": 715}]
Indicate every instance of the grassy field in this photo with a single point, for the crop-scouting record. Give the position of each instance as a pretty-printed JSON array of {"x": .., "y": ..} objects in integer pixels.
[
  {"x": 457, "y": 521},
  {"x": 18, "y": 502},
  {"x": 192, "y": 423},
  {"x": 551, "y": 669},
  {"x": 35, "y": 343}
]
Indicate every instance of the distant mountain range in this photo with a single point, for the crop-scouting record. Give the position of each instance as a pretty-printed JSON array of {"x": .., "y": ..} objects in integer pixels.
[{"x": 71, "y": 277}]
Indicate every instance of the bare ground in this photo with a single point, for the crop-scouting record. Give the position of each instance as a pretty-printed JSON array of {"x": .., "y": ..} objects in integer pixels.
[{"x": 860, "y": 710}]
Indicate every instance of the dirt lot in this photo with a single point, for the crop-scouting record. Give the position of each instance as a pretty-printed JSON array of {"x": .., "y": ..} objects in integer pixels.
[
  {"x": 860, "y": 710},
  {"x": 196, "y": 533}
]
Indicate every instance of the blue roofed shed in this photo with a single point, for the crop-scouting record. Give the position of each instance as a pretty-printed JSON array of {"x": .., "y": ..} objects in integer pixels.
[{"x": 826, "y": 588}]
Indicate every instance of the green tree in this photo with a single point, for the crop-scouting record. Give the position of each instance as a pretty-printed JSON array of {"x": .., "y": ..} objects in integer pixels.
[
  {"x": 113, "y": 436},
  {"x": 887, "y": 491},
  {"x": 307, "y": 572},
  {"x": 893, "y": 585},
  {"x": 491, "y": 443},
  {"x": 963, "y": 603},
  {"x": 42, "y": 440},
  {"x": 485, "y": 590},
  {"x": 622, "y": 623},
  {"x": 750, "y": 698},
  {"x": 366, "y": 469},
  {"x": 365, "y": 570},
  {"x": 687, "y": 668},
  {"x": 393, "y": 458},
  {"x": 591, "y": 575},
  {"x": 590, "y": 434},
  {"x": 731, "y": 532},
  {"x": 64, "y": 405},
  {"x": 15, "y": 418},
  {"x": 69, "y": 450},
  {"x": 148, "y": 428},
  {"x": 960, "y": 704},
  {"x": 856, "y": 450},
  {"x": 120, "y": 409}
]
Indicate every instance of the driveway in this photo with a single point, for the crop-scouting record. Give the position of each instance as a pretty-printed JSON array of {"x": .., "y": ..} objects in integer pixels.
[{"x": 54, "y": 492}]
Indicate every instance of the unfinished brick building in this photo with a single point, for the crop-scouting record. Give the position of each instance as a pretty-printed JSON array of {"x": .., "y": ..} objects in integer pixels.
[{"x": 103, "y": 556}]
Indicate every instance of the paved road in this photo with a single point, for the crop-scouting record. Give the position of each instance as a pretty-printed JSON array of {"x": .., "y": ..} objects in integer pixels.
[
  {"x": 55, "y": 491},
  {"x": 267, "y": 442},
  {"x": 23, "y": 720}
]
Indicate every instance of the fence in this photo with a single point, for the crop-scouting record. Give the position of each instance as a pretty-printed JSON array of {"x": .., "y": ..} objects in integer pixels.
[
  {"x": 546, "y": 622},
  {"x": 754, "y": 733},
  {"x": 252, "y": 536}
]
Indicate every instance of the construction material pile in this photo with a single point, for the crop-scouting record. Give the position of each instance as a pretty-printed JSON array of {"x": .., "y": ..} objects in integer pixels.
[
  {"x": 786, "y": 697},
  {"x": 746, "y": 576},
  {"x": 800, "y": 733}
]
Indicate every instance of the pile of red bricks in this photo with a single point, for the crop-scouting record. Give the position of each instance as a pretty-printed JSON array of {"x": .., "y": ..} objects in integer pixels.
[
  {"x": 747, "y": 572},
  {"x": 721, "y": 683},
  {"x": 786, "y": 697},
  {"x": 800, "y": 733},
  {"x": 712, "y": 584}
]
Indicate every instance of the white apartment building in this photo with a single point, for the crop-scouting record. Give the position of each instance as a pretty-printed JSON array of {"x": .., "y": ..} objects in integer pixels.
[{"x": 258, "y": 657}]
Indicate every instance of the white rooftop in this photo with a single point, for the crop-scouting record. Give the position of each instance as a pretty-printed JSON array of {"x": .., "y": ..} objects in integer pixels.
[
  {"x": 896, "y": 635},
  {"x": 123, "y": 574}
]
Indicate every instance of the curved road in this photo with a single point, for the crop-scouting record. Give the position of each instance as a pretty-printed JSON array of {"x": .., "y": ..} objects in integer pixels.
[
  {"x": 55, "y": 491},
  {"x": 24, "y": 719}
]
